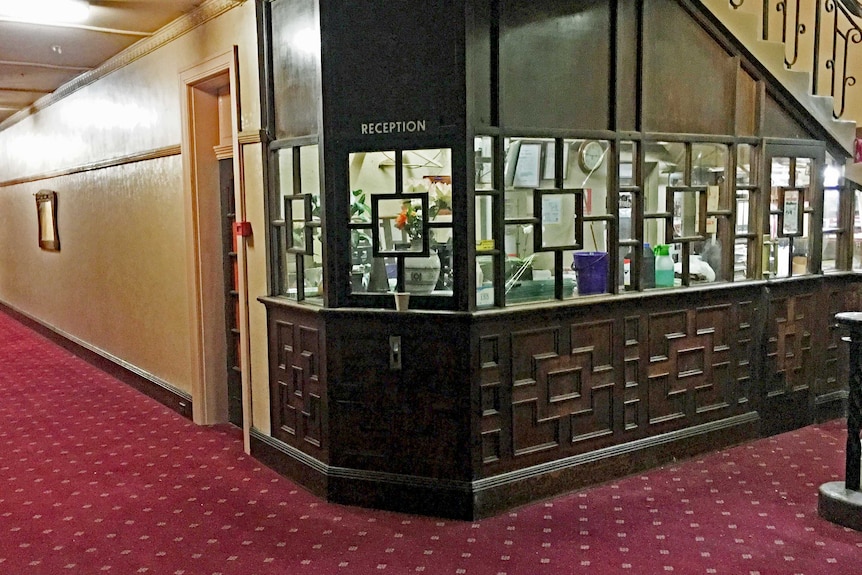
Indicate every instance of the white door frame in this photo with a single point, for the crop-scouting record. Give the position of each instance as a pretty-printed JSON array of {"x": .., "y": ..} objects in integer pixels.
[{"x": 206, "y": 301}]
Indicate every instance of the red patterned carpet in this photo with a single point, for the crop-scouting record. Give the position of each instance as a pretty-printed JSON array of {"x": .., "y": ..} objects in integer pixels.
[{"x": 97, "y": 478}]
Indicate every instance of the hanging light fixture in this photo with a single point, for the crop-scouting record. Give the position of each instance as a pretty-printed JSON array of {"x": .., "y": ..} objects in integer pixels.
[{"x": 45, "y": 11}]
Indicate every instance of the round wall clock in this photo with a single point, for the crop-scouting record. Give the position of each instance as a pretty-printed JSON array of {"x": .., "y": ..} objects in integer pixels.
[{"x": 590, "y": 155}]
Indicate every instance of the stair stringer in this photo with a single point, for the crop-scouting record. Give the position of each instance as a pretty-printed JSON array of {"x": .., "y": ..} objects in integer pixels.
[{"x": 745, "y": 27}]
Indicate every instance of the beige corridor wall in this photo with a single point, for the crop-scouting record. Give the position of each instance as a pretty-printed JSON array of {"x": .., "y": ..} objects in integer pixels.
[{"x": 119, "y": 283}]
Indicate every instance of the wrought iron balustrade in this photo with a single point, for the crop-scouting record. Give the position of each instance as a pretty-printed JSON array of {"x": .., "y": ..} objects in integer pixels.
[{"x": 836, "y": 31}]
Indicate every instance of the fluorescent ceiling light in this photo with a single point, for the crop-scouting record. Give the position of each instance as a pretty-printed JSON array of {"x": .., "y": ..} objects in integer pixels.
[{"x": 45, "y": 11}]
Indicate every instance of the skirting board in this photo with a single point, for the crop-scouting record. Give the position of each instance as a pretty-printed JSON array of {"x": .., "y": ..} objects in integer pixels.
[
  {"x": 468, "y": 500},
  {"x": 162, "y": 392}
]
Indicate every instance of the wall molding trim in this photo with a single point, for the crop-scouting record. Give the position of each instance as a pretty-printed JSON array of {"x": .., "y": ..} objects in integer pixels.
[
  {"x": 202, "y": 14},
  {"x": 144, "y": 156}
]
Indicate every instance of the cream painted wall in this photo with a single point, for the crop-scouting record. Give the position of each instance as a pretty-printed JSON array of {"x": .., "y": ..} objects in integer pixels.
[
  {"x": 119, "y": 283},
  {"x": 256, "y": 258}
]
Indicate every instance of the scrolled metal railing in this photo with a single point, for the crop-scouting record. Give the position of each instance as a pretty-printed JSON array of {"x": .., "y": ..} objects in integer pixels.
[
  {"x": 837, "y": 30},
  {"x": 843, "y": 38}
]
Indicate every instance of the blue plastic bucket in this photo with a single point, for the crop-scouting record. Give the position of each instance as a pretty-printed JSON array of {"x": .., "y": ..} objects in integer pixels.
[{"x": 591, "y": 269}]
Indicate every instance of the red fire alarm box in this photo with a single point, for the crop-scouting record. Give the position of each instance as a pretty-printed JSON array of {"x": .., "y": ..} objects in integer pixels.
[{"x": 242, "y": 229}]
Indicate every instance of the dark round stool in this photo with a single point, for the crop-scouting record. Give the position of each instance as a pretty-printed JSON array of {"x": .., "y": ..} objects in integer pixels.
[{"x": 841, "y": 502}]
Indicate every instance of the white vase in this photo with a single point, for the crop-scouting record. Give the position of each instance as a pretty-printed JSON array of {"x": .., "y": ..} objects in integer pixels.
[{"x": 421, "y": 274}]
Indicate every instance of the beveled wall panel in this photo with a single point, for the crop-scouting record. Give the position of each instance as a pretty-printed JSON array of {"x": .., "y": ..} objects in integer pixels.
[
  {"x": 297, "y": 389},
  {"x": 560, "y": 386},
  {"x": 789, "y": 360},
  {"x": 564, "y": 387}
]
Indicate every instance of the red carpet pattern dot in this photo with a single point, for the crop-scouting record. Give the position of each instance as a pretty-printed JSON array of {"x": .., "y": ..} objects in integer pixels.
[{"x": 96, "y": 478}]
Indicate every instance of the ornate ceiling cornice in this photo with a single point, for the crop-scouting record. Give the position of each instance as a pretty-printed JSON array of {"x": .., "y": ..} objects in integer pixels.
[{"x": 202, "y": 14}]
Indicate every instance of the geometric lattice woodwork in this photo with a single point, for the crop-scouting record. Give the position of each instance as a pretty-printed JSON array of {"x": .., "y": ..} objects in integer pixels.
[
  {"x": 298, "y": 414},
  {"x": 789, "y": 344},
  {"x": 562, "y": 397}
]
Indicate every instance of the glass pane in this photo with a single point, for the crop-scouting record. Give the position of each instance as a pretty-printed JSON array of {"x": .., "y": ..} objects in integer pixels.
[
  {"x": 290, "y": 277},
  {"x": 430, "y": 172},
  {"x": 558, "y": 218},
  {"x": 296, "y": 225},
  {"x": 743, "y": 212},
  {"x": 485, "y": 281},
  {"x": 400, "y": 224},
  {"x": 709, "y": 162},
  {"x": 484, "y": 161},
  {"x": 530, "y": 279},
  {"x": 587, "y": 266},
  {"x": 830, "y": 244},
  {"x": 313, "y": 279},
  {"x": 527, "y": 163},
  {"x": 780, "y": 174},
  {"x": 591, "y": 272},
  {"x": 285, "y": 178},
  {"x": 663, "y": 166},
  {"x": 743, "y": 165},
  {"x": 309, "y": 168},
  {"x": 803, "y": 171},
  {"x": 687, "y": 213},
  {"x": 370, "y": 173},
  {"x": 422, "y": 167},
  {"x": 628, "y": 156},
  {"x": 831, "y": 205},
  {"x": 740, "y": 259},
  {"x": 484, "y": 223}
]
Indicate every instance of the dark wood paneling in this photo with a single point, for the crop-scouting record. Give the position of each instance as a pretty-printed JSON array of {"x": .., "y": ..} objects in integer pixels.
[
  {"x": 409, "y": 62},
  {"x": 555, "y": 64},
  {"x": 777, "y": 123},
  {"x": 297, "y": 384},
  {"x": 414, "y": 421},
  {"x": 576, "y": 386},
  {"x": 494, "y": 410},
  {"x": 689, "y": 81},
  {"x": 747, "y": 98}
]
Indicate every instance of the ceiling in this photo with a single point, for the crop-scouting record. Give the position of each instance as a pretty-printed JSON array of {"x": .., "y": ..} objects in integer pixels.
[{"x": 36, "y": 59}]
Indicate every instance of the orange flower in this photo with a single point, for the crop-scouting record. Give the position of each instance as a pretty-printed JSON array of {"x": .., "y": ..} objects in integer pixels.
[{"x": 401, "y": 220}]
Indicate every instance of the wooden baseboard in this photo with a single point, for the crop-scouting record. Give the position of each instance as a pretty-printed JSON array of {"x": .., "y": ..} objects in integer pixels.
[
  {"x": 485, "y": 497},
  {"x": 165, "y": 394}
]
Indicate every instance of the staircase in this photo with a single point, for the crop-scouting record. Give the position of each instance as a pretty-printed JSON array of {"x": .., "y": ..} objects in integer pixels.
[{"x": 745, "y": 21}]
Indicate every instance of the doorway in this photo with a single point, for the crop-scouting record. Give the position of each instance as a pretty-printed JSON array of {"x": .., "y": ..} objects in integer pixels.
[
  {"x": 230, "y": 264},
  {"x": 791, "y": 248},
  {"x": 216, "y": 279}
]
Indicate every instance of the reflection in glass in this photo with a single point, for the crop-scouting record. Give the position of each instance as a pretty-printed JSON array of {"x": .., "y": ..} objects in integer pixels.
[
  {"x": 740, "y": 259},
  {"x": 295, "y": 211},
  {"x": 484, "y": 162},
  {"x": 689, "y": 213},
  {"x": 285, "y": 177},
  {"x": 484, "y": 223},
  {"x": 485, "y": 281},
  {"x": 743, "y": 165},
  {"x": 709, "y": 162}
]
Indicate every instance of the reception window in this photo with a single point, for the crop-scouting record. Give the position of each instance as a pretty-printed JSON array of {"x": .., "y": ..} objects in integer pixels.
[
  {"x": 585, "y": 217},
  {"x": 401, "y": 221},
  {"x": 555, "y": 218}
]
